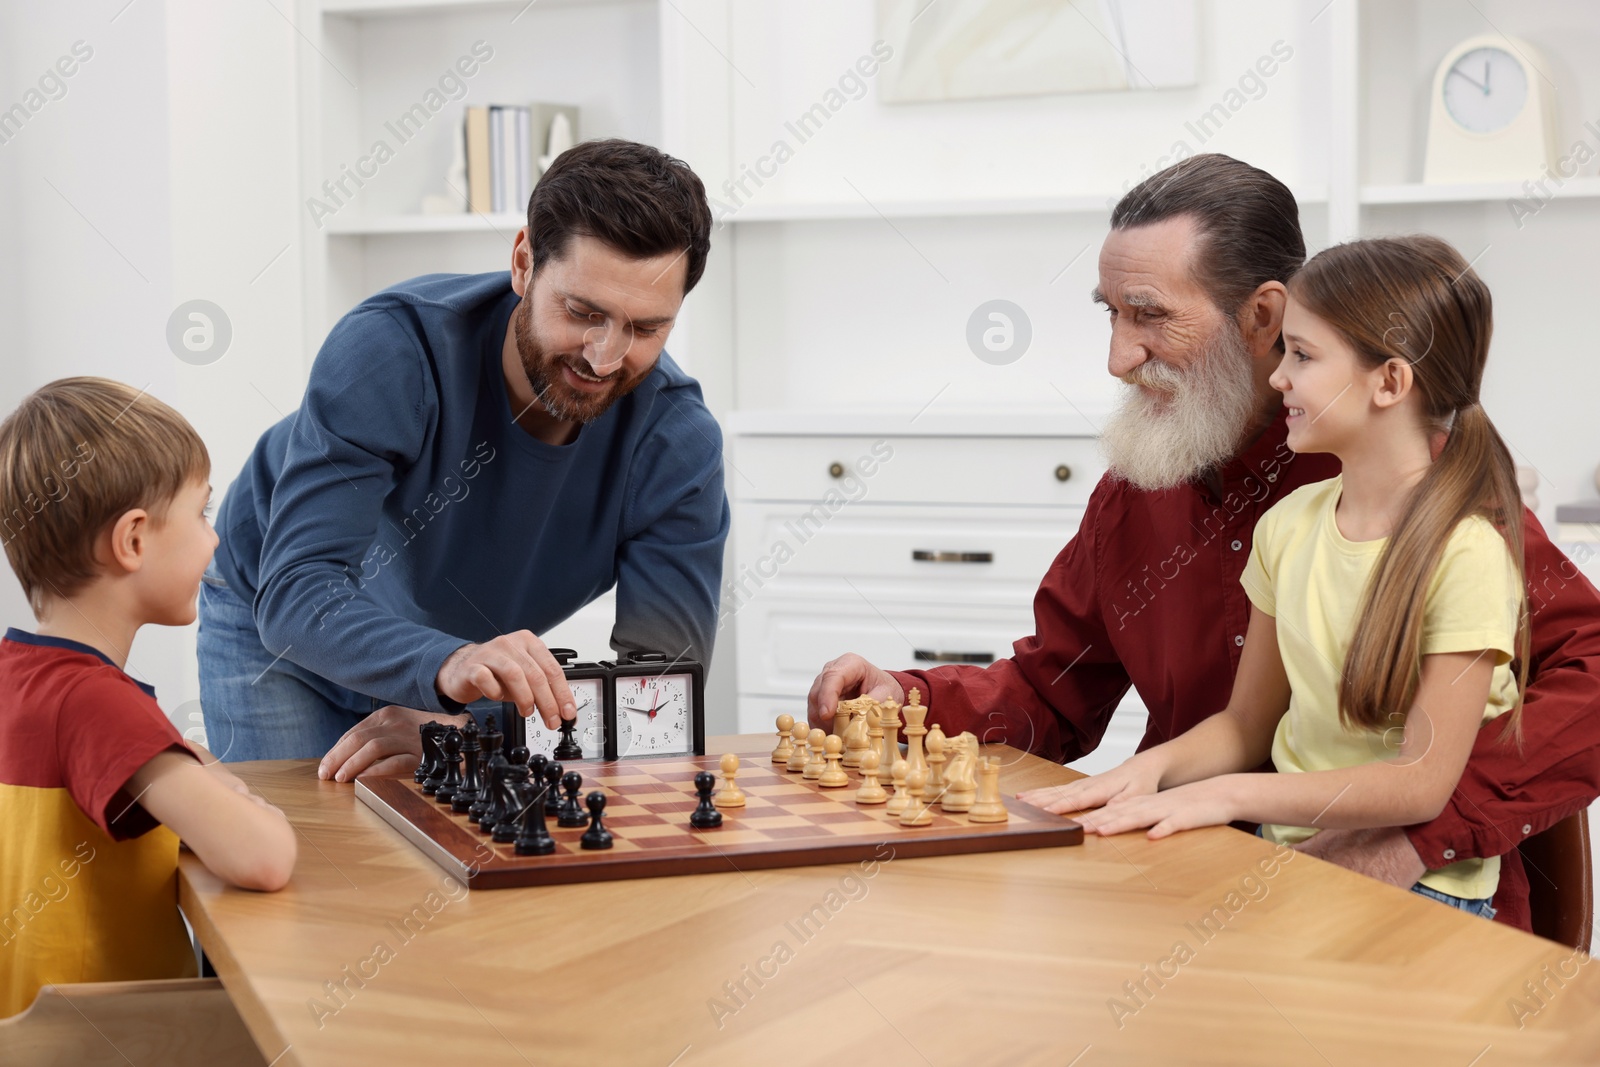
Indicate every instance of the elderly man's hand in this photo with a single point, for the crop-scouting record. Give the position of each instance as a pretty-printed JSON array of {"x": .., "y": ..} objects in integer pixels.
[{"x": 1385, "y": 854}]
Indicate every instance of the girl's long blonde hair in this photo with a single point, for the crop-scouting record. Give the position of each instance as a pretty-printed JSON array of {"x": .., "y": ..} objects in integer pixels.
[{"x": 1414, "y": 298}]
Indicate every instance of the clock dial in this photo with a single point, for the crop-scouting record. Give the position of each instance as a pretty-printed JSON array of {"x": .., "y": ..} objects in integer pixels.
[
  {"x": 653, "y": 715},
  {"x": 591, "y": 728},
  {"x": 1486, "y": 89}
]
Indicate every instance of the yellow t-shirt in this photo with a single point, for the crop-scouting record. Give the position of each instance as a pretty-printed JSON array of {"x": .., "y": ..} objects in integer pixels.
[
  {"x": 88, "y": 879},
  {"x": 1310, "y": 578}
]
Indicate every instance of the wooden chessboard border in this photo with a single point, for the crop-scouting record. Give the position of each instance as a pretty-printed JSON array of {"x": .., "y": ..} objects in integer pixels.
[{"x": 479, "y": 863}]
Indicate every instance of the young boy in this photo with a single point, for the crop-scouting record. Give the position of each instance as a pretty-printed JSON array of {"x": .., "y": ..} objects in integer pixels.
[{"x": 103, "y": 501}]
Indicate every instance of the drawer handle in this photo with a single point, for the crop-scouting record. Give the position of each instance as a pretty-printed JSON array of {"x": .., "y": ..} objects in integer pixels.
[
  {"x": 922, "y": 655},
  {"x": 836, "y": 470},
  {"x": 923, "y": 555},
  {"x": 1063, "y": 472}
]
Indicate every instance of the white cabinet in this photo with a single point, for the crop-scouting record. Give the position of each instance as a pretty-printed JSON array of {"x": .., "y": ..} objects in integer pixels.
[{"x": 909, "y": 548}]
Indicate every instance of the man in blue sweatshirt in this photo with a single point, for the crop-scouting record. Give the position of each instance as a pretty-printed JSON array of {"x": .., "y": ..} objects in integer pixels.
[{"x": 476, "y": 458}]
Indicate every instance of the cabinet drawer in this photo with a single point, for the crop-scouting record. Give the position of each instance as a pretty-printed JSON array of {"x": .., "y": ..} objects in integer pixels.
[
  {"x": 783, "y": 643},
  {"x": 1048, "y": 471},
  {"x": 919, "y": 544}
]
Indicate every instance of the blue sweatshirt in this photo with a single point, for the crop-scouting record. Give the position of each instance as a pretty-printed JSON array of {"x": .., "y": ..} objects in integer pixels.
[{"x": 401, "y": 513}]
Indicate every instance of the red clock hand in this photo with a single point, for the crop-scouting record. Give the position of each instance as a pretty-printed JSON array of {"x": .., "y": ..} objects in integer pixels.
[{"x": 655, "y": 696}]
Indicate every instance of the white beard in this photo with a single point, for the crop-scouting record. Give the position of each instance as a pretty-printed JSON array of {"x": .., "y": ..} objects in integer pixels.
[{"x": 1157, "y": 443}]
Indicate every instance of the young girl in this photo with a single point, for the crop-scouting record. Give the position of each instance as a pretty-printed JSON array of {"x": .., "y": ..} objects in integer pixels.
[{"x": 1388, "y": 603}]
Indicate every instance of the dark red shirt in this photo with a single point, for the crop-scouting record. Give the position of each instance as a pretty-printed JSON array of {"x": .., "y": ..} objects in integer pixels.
[{"x": 1147, "y": 594}]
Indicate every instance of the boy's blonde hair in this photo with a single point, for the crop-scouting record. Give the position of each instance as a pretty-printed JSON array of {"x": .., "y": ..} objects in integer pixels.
[{"x": 75, "y": 456}]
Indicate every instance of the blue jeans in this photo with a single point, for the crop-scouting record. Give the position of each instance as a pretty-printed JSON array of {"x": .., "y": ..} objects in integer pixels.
[
  {"x": 257, "y": 705},
  {"x": 1483, "y": 908}
]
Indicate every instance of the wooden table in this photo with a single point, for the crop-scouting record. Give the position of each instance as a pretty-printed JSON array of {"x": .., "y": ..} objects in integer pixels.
[{"x": 1018, "y": 957}]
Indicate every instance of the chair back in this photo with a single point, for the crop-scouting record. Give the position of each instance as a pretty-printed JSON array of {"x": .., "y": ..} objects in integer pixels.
[{"x": 1561, "y": 882}]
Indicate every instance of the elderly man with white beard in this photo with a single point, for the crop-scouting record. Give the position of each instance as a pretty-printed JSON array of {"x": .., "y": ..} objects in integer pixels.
[{"x": 1147, "y": 593}]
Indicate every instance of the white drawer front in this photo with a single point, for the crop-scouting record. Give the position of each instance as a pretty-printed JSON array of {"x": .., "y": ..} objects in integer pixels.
[
  {"x": 919, "y": 544},
  {"x": 783, "y": 643},
  {"x": 917, "y": 470}
]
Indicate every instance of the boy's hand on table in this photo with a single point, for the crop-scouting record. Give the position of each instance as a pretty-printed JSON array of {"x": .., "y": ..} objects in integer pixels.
[{"x": 385, "y": 742}]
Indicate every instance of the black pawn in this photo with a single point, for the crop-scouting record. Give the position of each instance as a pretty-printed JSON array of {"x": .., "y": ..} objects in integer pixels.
[
  {"x": 534, "y": 837},
  {"x": 705, "y": 816},
  {"x": 452, "y": 767},
  {"x": 467, "y": 793},
  {"x": 571, "y": 814},
  {"x": 568, "y": 748},
  {"x": 537, "y": 764},
  {"x": 517, "y": 797},
  {"x": 432, "y": 758},
  {"x": 596, "y": 836},
  {"x": 552, "y": 794}
]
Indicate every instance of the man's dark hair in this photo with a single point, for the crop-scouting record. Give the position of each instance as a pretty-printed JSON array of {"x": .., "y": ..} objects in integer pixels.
[
  {"x": 633, "y": 197},
  {"x": 1248, "y": 221}
]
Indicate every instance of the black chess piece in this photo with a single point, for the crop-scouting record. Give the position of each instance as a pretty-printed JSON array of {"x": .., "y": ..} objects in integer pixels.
[
  {"x": 490, "y": 797},
  {"x": 517, "y": 796},
  {"x": 467, "y": 794},
  {"x": 430, "y": 755},
  {"x": 596, "y": 836},
  {"x": 568, "y": 748},
  {"x": 536, "y": 768},
  {"x": 571, "y": 813},
  {"x": 705, "y": 817},
  {"x": 533, "y": 838},
  {"x": 552, "y": 795},
  {"x": 488, "y": 776},
  {"x": 451, "y": 745},
  {"x": 432, "y": 739},
  {"x": 492, "y": 738}
]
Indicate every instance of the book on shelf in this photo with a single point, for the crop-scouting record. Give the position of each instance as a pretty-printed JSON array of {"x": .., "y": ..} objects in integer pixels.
[{"x": 504, "y": 146}]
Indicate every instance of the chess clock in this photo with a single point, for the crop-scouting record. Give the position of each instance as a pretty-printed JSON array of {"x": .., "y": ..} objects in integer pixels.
[
  {"x": 1492, "y": 114},
  {"x": 657, "y": 707},
  {"x": 590, "y": 692}
]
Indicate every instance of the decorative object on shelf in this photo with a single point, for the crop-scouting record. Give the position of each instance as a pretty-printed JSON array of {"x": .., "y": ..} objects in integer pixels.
[
  {"x": 453, "y": 200},
  {"x": 1528, "y": 483},
  {"x": 1492, "y": 115},
  {"x": 560, "y": 138},
  {"x": 975, "y": 49}
]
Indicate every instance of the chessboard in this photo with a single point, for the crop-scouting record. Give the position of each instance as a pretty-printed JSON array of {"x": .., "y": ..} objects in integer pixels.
[{"x": 786, "y": 821}]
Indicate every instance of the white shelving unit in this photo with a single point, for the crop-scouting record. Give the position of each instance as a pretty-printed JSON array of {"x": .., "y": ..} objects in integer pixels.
[{"x": 781, "y": 314}]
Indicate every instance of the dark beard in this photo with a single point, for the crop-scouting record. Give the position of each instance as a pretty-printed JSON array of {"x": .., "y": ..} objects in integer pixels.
[{"x": 544, "y": 376}]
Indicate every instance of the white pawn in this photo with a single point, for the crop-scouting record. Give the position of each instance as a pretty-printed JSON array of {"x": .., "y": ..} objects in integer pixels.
[
  {"x": 730, "y": 795},
  {"x": 917, "y": 811},
  {"x": 797, "y": 758},
  {"x": 814, "y": 764},
  {"x": 833, "y": 776},
  {"x": 870, "y": 792},
  {"x": 897, "y": 803},
  {"x": 785, "y": 747}
]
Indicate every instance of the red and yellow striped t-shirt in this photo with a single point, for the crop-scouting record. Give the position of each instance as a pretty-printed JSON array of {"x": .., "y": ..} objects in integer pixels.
[{"x": 88, "y": 880}]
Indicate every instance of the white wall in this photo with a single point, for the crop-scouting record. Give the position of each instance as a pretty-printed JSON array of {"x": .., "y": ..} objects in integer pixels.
[
  {"x": 88, "y": 249},
  {"x": 870, "y": 312},
  {"x": 171, "y": 156}
]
